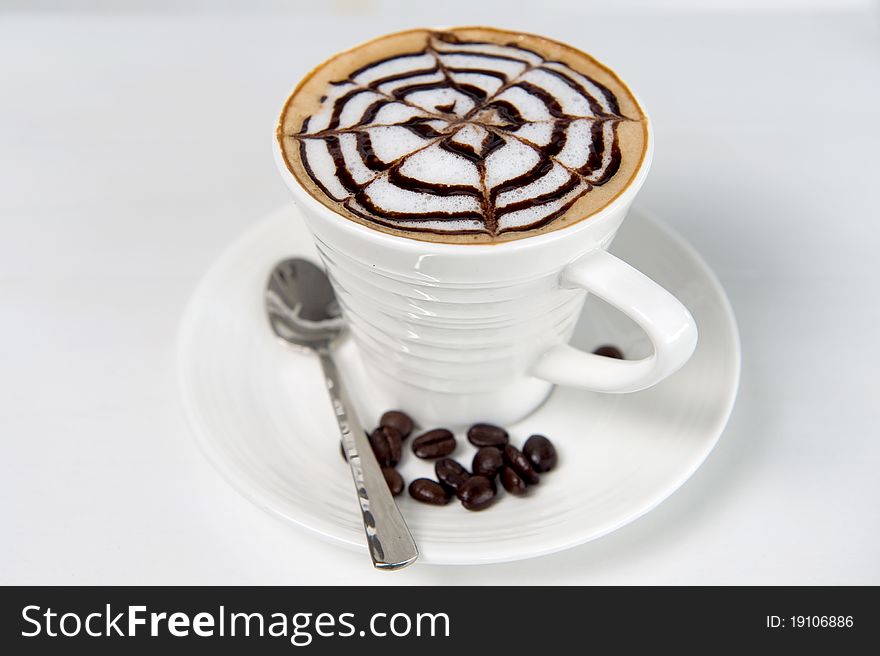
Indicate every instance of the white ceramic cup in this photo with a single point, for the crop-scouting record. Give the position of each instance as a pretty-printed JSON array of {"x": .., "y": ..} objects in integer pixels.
[{"x": 459, "y": 333}]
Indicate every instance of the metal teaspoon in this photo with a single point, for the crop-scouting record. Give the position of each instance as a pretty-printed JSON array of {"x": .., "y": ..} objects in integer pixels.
[{"x": 303, "y": 311}]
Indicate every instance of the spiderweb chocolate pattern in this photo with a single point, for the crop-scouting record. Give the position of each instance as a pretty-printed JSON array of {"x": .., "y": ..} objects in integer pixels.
[{"x": 462, "y": 137}]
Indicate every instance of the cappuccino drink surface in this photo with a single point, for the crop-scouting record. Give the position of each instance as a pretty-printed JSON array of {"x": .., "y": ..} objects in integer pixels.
[{"x": 466, "y": 135}]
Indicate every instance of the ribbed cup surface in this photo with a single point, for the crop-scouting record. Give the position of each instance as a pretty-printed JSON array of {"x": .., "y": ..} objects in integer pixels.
[{"x": 461, "y": 338}]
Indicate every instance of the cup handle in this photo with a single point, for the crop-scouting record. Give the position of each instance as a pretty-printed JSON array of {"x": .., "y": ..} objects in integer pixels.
[{"x": 667, "y": 322}]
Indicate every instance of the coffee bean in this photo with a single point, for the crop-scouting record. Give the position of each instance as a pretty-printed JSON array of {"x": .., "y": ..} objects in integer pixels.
[
  {"x": 512, "y": 482},
  {"x": 428, "y": 491},
  {"x": 399, "y": 420},
  {"x": 520, "y": 464},
  {"x": 394, "y": 480},
  {"x": 450, "y": 473},
  {"x": 487, "y": 435},
  {"x": 609, "y": 351},
  {"x": 476, "y": 493},
  {"x": 540, "y": 452},
  {"x": 487, "y": 462},
  {"x": 386, "y": 445},
  {"x": 434, "y": 444}
]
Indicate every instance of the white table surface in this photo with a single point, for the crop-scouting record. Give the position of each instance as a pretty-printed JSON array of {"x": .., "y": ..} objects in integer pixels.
[{"x": 135, "y": 146}]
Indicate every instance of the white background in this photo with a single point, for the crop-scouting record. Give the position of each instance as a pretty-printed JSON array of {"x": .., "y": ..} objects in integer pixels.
[{"x": 135, "y": 145}]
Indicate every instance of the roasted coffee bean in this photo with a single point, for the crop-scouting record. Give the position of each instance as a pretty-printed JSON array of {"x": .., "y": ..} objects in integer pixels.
[
  {"x": 512, "y": 482},
  {"x": 428, "y": 491},
  {"x": 487, "y": 435},
  {"x": 398, "y": 420},
  {"x": 520, "y": 464},
  {"x": 386, "y": 445},
  {"x": 434, "y": 444},
  {"x": 540, "y": 452},
  {"x": 450, "y": 473},
  {"x": 394, "y": 480},
  {"x": 487, "y": 462},
  {"x": 476, "y": 493},
  {"x": 609, "y": 351}
]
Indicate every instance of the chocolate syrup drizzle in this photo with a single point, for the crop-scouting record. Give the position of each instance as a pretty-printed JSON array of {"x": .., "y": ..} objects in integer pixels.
[{"x": 499, "y": 117}]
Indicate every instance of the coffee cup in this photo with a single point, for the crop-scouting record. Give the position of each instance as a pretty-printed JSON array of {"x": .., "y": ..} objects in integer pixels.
[{"x": 458, "y": 332}]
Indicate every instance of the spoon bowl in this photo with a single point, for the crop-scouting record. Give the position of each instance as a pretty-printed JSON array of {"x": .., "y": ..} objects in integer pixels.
[{"x": 302, "y": 306}]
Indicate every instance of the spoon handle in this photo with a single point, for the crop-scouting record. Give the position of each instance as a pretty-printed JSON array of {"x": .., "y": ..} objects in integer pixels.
[{"x": 391, "y": 544}]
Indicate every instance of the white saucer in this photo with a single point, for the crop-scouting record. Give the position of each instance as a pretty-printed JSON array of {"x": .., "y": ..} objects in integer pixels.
[{"x": 261, "y": 414}]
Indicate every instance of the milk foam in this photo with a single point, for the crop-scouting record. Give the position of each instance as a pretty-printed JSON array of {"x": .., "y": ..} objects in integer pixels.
[{"x": 462, "y": 137}]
